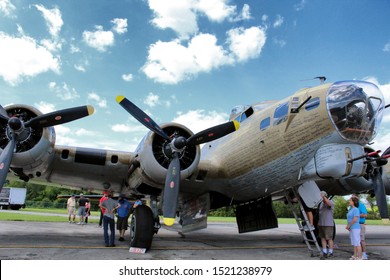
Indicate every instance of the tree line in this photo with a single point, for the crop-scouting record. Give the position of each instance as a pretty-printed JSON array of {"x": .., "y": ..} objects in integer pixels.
[{"x": 40, "y": 196}]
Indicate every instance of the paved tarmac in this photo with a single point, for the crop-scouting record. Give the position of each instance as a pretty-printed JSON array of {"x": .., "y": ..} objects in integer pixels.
[{"x": 21, "y": 240}]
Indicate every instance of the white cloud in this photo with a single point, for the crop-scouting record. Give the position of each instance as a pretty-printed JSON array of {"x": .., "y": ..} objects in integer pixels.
[
  {"x": 125, "y": 128},
  {"x": 22, "y": 57},
  {"x": 175, "y": 14},
  {"x": 84, "y": 132},
  {"x": 300, "y": 6},
  {"x": 101, "y": 102},
  {"x": 80, "y": 68},
  {"x": 64, "y": 91},
  {"x": 244, "y": 15},
  {"x": 120, "y": 25},
  {"x": 152, "y": 99},
  {"x": 279, "y": 42},
  {"x": 198, "y": 120},
  {"x": 171, "y": 62},
  {"x": 278, "y": 21},
  {"x": 386, "y": 48},
  {"x": 45, "y": 107},
  {"x": 7, "y": 8},
  {"x": 216, "y": 10},
  {"x": 53, "y": 19},
  {"x": 181, "y": 16},
  {"x": 99, "y": 39},
  {"x": 246, "y": 43},
  {"x": 127, "y": 77}
]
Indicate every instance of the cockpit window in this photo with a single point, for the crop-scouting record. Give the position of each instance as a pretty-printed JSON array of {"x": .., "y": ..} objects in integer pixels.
[
  {"x": 356, "y": 109},
  {"x": 280, "y": 114}
]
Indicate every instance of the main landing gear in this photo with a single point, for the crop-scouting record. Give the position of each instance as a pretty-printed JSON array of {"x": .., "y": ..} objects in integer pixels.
[{"x": 142, "y": 227}]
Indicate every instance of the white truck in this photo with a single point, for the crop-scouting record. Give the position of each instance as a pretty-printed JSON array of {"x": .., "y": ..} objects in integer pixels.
[{"x": 14, "y": 198}]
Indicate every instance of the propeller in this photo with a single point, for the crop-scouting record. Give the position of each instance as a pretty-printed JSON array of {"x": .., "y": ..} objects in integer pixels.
[
  {"x": 377, "y": 181},
  {"x": 19, "y": 130},
  {"x": 176, "y": 145}
]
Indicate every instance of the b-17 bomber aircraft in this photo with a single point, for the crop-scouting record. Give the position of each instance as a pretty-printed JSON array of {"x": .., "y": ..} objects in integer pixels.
[{"x": 316, "y": 139}]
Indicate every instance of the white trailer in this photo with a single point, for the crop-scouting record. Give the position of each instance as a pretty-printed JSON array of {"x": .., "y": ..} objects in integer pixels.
[{"x": 13, "y": 198}]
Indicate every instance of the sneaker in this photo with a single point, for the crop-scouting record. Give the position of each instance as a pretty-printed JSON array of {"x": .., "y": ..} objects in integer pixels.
[
  {"x": 79, "y": 223},
  {"x": 352, "y": 258},
  {"x": 329, "y": 255},
  {"x": 121, "y": 239},
  {"x": 364, "y": 256}
]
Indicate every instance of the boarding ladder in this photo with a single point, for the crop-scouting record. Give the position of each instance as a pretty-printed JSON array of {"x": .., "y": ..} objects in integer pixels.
[{"x": 303, "y": 223}]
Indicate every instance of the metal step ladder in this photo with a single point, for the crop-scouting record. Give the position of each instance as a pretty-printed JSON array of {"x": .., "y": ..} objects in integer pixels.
[{"x": 303, "y": 223}]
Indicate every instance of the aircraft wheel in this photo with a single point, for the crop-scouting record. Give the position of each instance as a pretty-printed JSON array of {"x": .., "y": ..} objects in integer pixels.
[{"x": 141, "y": 227}]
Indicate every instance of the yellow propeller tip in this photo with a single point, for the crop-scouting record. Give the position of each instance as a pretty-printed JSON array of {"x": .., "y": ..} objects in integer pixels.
[
  {"x": 169, "y": 221},
  {"x": 119, "y": 98},
  {"x": 90, "y": 109}
]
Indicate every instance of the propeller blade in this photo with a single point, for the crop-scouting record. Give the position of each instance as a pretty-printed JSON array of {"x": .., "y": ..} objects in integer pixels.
[
  {"x": 60, "y": 117},
  {"x": 380, "y": 194},
  {"x": 171, "y": 191},
  {"x": 213, "y": 133},
  {"x": 385, "y": 153},
  {"x": 5, "y": 161},
  {"x": 3, "y": 115},
  {"x": 140, "y": 115}
]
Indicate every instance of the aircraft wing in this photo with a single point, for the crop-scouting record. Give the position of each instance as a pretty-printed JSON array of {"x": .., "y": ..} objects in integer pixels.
[{"x": 90, "y": 169}]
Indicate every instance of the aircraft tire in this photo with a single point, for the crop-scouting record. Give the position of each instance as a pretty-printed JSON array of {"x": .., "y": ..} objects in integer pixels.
[{"x": 141, "y": 227}]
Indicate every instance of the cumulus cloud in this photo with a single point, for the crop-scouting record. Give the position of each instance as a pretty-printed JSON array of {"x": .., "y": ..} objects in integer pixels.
[
  {"x": 246, "y": 43},
  {"x": 120, "y": 25},
  {"x": 22, "y": 57},
  {"x": 127, "y": 77},
  {"x": 215, "y": 10},
  {"x": 99, "y": 101},
  {"x": 7, "y": 8},
  {"x": 172, "y": 62},
  {"x": 198, "y": 120},
  {"x": 181, "y": 16},
  {"x": 64, "y": 91},
  {"x": 53, "y": 19},
  {"x": 152, "y": 99},
  {"x": 99, "y": 39},
  {"x": 125, "y": 128},
  {"x": 45, "y": 107}
]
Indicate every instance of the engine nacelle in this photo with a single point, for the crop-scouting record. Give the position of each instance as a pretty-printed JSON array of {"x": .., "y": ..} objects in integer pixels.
[
  {"x": 154, "y": 159},
  {"x": 35, "y": 151}
]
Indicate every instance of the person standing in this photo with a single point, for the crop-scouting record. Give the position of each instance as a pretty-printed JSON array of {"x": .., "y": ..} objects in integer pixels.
[
  {"x": 326, "y": 225},
  {"x": 81, "y": 210},
  {"x": 103, "y": 198},
  {"x": 109, "y": 205},
  {"x": 354, "y": 228},
  {"x": 87, "y": 211},
  {"x": 123, "y": 216},
  {"x": 71, "y": 206},
  {"x": 362, "y": 222}
]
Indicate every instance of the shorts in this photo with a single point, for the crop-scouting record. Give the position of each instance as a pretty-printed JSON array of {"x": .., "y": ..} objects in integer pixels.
[
  {"x": 122, "y": 223},
  {"x": 354, "y": 234},
  {"x": 362, "y": 232},
  {"x": 326, "y": 232},
  {"x": 71, "y": 211},
  {"x": 81, "y": 211}
]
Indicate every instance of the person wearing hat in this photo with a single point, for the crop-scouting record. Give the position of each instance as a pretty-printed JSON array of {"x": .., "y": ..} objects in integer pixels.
[
  {"x": 326, "y": 225},
  {"x": 123, "y": 216},
  {"x": 71, "y": 206}
]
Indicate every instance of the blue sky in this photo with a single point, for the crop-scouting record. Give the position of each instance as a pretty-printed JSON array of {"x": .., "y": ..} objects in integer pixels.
[{"x": 188, "y": 61}]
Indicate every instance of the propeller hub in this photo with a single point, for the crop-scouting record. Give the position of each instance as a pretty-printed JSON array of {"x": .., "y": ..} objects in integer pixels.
[
  {"x": 179, "y": 143},
  {"x": 15, "y": 123}
]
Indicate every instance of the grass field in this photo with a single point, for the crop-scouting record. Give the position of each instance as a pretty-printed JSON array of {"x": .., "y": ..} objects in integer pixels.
[{"x": 60, "y": 215}]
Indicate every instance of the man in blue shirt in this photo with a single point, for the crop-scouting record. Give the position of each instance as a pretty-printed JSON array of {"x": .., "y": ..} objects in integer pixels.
[
  {"x": 362, "y": 221},
  {"x": 123, "y": 216}
]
